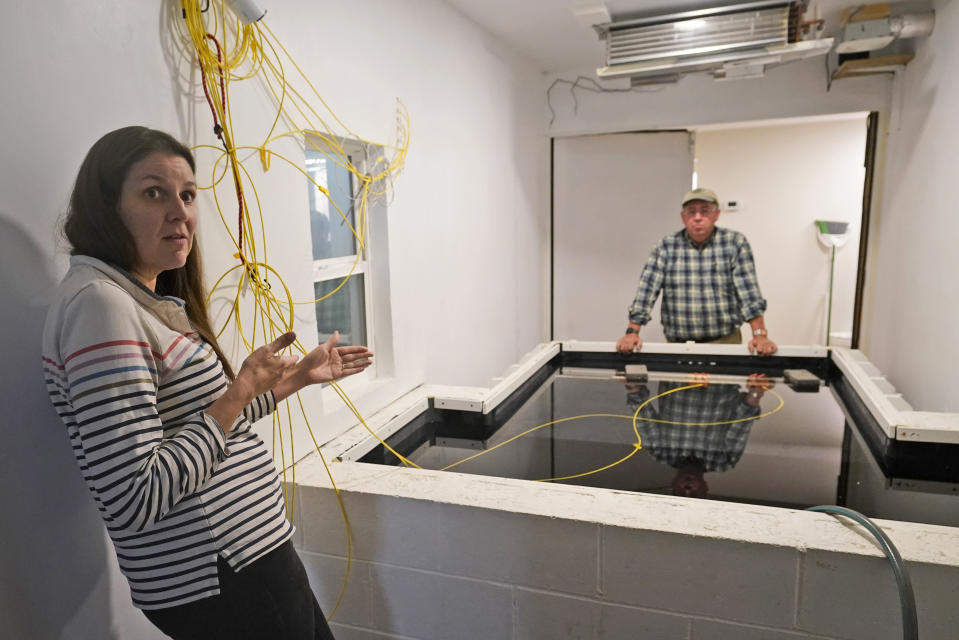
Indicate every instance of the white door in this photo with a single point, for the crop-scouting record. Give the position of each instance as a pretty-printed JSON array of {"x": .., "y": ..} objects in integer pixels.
[{"x": 614, "y": 197}]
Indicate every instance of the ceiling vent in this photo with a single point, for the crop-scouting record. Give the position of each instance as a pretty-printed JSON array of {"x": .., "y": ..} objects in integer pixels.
[{"x": 732, "y": 41}]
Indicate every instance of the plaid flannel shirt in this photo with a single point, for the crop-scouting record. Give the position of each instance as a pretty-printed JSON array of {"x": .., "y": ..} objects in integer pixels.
[
  {"x": 708, "y": 291},
  {"x": 718, "y": 446}
]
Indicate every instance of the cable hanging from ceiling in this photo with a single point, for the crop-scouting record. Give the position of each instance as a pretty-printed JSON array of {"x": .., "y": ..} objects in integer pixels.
[{"x": 230, "y": 43}]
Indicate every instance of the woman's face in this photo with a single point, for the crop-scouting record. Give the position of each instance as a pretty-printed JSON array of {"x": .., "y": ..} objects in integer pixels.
[{"x": 157, "y": 206}]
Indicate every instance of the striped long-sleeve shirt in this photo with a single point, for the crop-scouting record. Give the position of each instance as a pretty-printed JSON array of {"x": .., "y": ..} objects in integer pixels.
[
  {"x": 708, "y": 290},
  {"x": 130, "y": 379}
]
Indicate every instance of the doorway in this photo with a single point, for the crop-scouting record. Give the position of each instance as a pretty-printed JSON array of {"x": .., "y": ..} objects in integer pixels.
[{"x": 615, "y": 196}]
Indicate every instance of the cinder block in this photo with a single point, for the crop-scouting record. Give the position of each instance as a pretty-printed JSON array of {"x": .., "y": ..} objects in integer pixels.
[
  {"x": 696, "y": 575},
  {"x": 547, "y": 616},
  {"x": 385, "y": 528},
  {"x": 326, "y": 577},
  {"x": 547, "y": 553},
  {"x": 345, "y": 632},
  {"x": 855, "y": 597},
  {"x": 431, "y": 606},
  {"x": 715, "y": 630}
]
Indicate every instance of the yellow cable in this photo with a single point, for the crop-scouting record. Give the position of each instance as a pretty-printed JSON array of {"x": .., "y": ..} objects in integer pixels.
[
  {"x": 247, "y": 52},
  {"x": 636, "y": 447},
  {"x": 635, "y": 417}
]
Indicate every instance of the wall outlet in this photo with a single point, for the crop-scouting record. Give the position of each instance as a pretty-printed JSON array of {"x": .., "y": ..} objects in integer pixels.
[{"x": 732, "y": 205}]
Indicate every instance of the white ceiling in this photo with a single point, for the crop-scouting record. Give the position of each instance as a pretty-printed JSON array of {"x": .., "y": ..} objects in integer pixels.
[{"x": 549, "y": 33}]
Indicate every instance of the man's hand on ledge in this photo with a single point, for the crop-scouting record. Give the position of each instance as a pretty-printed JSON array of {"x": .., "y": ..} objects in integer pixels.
[
  {"x": 762, "y": 346},
  {"x": 629, "y": 343}
]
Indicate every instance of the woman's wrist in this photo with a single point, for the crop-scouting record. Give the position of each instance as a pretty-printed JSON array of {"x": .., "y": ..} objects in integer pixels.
[
  {"x": 241, "y": 391},
  {"x": 288, "y": 385},
  {"x": 228, "y": 407}
]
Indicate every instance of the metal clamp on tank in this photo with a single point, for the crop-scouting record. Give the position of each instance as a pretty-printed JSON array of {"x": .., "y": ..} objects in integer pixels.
[{"x": 801, "y": 380}]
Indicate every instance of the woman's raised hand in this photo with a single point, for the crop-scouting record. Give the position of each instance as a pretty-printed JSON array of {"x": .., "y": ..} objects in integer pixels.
[
  {"x": 329, "y": 362},
  {"x": 265, "y": 367},
  {"x": 326, "y": 363}
]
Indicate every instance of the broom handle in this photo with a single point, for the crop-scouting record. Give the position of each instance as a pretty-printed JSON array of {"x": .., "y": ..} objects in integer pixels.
[{"x": 832, "y": 264}]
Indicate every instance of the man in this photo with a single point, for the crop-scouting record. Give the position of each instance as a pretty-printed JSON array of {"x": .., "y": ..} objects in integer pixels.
[{"x": 708, "y": 279}]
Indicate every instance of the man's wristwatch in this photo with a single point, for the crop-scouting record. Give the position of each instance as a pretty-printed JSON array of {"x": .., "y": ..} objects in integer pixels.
[
  {"x": 760, "y": 332},
  {"x": 632, "y": 330}
]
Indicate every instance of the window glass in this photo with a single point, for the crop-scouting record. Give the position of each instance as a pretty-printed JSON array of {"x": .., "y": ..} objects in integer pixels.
[
  {"x": 332, "y": 236},
  {"x": 344, "y": 311}
]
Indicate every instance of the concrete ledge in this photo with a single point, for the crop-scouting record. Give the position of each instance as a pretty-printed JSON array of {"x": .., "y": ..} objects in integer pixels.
[
  {"x": 529, "y": 556},
  {"x": 801, "y": 530}
]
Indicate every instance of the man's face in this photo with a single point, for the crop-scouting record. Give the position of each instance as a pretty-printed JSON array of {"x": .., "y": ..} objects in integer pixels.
[
  {"x": 700, "y": 217},
  {"x": 690, "y": 483}
]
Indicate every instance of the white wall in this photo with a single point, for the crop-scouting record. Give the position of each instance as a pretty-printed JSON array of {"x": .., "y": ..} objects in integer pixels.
[
  {"x": 792, "y": 90},
  {"x": 911, "y": 333},
  {"x": 787, "y": 176},
  {"x": 467, "y": 228},
  {"x": 614, "y": 198}
]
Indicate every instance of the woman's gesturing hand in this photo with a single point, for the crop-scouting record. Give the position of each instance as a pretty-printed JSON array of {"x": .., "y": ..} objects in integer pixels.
[
  {"x": 326, "y": 363},
  {"x": 259, "y": 373},
  {"x": 265, "y": 367}
]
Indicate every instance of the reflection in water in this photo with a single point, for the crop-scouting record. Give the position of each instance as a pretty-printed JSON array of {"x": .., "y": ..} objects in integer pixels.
[
  {"x": 697, "y": 430},
  {"x": 581, "y": 431},
  {"x": 733, "y": 434}
]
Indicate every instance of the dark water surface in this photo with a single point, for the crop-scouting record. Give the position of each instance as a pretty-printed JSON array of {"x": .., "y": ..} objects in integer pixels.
[{"x": 729, "y": 440}]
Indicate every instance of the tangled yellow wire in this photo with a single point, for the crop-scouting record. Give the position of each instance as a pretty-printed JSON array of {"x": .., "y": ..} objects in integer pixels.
[{"x": 228, "y": 51}]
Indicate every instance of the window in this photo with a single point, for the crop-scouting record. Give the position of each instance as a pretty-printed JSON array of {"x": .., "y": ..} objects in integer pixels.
[{"x": 342, "y": 269}]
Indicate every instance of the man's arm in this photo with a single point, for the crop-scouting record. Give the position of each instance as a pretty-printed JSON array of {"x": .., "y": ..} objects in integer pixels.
[
  {"x": 650, "y": 284},
  {"x": 753, "y": 304}
]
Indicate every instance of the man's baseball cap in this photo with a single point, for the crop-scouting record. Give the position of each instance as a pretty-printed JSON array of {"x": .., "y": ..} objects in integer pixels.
[{"x": 700, "y": 194}]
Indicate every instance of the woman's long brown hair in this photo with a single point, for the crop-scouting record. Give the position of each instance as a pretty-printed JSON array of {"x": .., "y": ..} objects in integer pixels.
[{"x": 93, "y": 226}]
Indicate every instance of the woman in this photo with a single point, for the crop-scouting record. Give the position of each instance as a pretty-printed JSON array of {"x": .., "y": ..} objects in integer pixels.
[{"x": 160, "y": 424}]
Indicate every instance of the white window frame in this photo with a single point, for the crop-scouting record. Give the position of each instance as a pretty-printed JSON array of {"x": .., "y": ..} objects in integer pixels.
[{"x": 374, "y": 266}]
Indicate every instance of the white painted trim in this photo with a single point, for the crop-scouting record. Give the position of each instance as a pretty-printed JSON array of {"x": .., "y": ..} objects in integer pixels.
[
  {"x": 529, "y": 364},
  {"x": 779, "y": 122},
  {"x": 695, "y": 348},
  {"x": 487, "y": 399},
  {"x": 457, "y": 398},
  {"x": 928, "y": 426},
  {"x": 862, "y": 375},
  {"x": 333, "y": 268},
  {"x": 357, "y": 441},
  {"x": 893, "y": 413}
]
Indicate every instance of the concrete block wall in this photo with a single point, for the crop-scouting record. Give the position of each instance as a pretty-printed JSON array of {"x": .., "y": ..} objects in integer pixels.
[{"x": 440, "y": 556}]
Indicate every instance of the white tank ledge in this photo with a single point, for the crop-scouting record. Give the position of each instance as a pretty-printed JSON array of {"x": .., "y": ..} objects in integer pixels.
[{"x": 754, "y": 524}]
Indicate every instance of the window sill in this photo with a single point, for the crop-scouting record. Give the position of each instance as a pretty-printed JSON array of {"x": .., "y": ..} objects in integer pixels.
[{"x": 368, "y": 396}]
